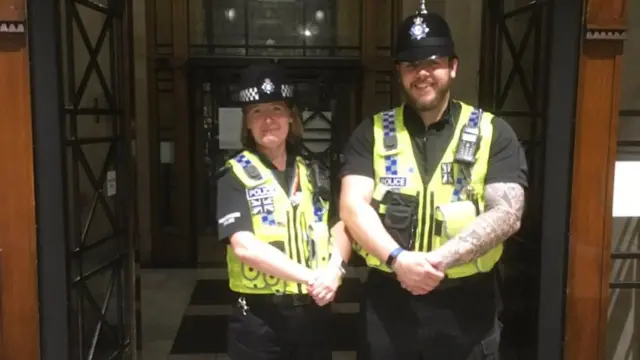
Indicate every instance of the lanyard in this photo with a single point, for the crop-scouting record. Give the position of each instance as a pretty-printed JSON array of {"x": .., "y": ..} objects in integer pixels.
[{"x": 295, "y": 183}]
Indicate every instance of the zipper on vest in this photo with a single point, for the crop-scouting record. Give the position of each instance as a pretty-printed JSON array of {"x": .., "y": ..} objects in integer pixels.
[
  {"x": 423, "y": 221},
  {"x": 291, "y": 229},
  {"x": 431, "y": 220},
  {"x": 298, "y": 254}
]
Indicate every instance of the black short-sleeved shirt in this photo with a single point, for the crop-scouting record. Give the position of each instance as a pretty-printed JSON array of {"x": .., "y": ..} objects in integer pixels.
[
  {"x": 507, "y": 161},
  {"x": 233, "y": 210}
]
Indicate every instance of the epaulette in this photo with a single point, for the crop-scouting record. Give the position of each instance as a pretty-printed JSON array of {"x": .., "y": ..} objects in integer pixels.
[{"x": 222, "y": 172}]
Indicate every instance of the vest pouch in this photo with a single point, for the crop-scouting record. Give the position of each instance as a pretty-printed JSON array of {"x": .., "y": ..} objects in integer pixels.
[
  {"x": 400, "y": 218},
  {"x": 452, "y": 218},
  {"x": 320, "y": 180},
  {"x": 317, "y": 248}
]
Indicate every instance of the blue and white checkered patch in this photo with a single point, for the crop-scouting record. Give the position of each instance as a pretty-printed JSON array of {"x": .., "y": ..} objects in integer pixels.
[
  {"x": 268, "y": 219},
  {"x": 389, "y": 130},
  {"x": 243, "y": 160}
]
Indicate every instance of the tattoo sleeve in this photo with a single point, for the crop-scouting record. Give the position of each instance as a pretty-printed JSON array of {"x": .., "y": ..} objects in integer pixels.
[{"x": 504, "y": 205}]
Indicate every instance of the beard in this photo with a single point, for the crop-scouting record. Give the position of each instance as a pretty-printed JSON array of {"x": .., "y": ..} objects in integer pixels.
[{"x": 425, "y": 105}]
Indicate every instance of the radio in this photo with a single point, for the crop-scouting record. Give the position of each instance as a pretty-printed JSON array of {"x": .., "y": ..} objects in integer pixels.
[
  {"x": 321, "y": 180},
  {"x": 468, "y": 145}
]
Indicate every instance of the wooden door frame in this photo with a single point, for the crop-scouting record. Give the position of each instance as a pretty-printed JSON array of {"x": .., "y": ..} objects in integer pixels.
[
  {"x": 47, "y": 117},
  {"x": 49, "y": 170},
  {"x": 605, "y": 24},
  {"x": 19, "y": 320},
  {"x": 580, "y": 152}
]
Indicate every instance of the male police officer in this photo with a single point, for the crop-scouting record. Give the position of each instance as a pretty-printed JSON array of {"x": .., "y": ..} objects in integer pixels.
[{"x": 430, "y": 191}]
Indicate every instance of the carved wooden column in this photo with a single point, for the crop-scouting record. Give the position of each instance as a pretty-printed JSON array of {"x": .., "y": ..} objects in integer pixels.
[
  {"x": 593, "y": 170},
  {"x": 19, "y": 322}
]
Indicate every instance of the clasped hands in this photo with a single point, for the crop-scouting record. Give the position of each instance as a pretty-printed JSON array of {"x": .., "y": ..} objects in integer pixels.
[
  {"x": 419, "y": 272},
  {"x": 323, "y": 284}
]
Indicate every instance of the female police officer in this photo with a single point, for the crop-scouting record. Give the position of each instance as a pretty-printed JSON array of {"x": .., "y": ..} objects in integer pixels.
[{"x": 273, "y": 213}]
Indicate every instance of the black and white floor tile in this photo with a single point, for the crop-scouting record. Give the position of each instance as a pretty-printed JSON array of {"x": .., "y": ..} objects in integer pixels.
[{"x": 184, "y": 314}]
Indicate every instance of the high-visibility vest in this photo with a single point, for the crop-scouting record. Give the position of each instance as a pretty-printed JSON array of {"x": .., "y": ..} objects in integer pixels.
[
  {"x": 395, "y": 168},
  {"x": 297, "y": 226}
]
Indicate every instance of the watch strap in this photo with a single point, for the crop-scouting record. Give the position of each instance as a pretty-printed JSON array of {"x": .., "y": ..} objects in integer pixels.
[{"x": 393, "y": 256}]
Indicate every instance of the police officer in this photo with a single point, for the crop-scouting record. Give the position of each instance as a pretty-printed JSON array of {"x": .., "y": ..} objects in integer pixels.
[
  {"x": 430, "y": 191},
  {"x": 284, "y": 263}
]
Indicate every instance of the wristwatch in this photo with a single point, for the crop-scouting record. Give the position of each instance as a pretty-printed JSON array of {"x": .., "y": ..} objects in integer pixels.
[{"x": 391, "y": 259}]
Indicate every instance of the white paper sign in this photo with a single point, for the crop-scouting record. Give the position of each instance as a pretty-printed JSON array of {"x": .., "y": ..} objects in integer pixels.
[
  {"x": 166, "y": 152},
  {"x": 626, "y": 189},
  {"x": 230, "y": 127},
  {"x": 111, "y": 183}
]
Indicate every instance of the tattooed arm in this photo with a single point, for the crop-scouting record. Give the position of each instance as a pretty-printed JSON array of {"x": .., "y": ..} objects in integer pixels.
[{"x": 504, "y": 204}]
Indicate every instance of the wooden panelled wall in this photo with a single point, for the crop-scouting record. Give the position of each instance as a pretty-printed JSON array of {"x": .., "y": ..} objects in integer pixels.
[
  {"x": 594, "y": 160},
  {"x": 19, "y": 329},
  {"x": 169, "y": 31}
]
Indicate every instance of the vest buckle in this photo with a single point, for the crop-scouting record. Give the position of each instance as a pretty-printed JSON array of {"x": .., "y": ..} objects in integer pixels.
[
  {"x": 252, "y": 172},
  {"x": 390, "y": 142}
]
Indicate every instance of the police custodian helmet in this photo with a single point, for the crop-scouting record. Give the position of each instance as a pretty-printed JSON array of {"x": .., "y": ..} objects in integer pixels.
[
  {"x": 422, "y": 36},
  {"x": 263, "y": 83}
]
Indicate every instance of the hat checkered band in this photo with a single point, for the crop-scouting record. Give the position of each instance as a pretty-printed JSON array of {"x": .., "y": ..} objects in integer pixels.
[
  {"x": 253, "y": 93},
  {"x": 286, "y": 90},
  {"x": 249, "y": 94}
]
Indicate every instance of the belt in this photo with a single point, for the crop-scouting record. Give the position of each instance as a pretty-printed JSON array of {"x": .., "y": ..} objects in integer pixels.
[
  {"x": 446, "y": 283},
  {"x": 281, "y": 300}
]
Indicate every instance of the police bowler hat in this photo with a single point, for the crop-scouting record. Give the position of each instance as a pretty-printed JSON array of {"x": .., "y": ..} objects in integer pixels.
[
  {"x": 263, "y": 83},
  {"x": 425, "y": 35}
]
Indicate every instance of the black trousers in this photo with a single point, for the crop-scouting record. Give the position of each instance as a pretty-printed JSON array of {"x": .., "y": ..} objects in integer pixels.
[
  {"x": 279, "y": 330},
  {"x": 455, "y": 323}
]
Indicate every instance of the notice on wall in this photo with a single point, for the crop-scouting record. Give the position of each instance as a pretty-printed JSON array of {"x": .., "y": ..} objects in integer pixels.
[
  {"x": 230, "y": 126},
  {"x": 167, "y": 155},
  {"x": 626, "y": 189},
  {"x": 111, "y": 183}
]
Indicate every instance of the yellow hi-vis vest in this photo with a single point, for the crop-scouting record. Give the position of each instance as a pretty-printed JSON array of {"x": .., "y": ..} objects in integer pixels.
[
  {"x": 443, "y": 199},
  {"x": 297, "y": 226}
]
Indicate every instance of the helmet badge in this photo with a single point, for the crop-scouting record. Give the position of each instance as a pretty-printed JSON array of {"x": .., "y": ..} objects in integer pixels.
[
  {"x": 419, "y": 29},
  {"x": 267, "y": 86}
]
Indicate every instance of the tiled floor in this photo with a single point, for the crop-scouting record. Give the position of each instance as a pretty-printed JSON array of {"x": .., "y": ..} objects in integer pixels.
[
  {"x": 338, "y": 355},
  {"x": 184, "y": 315},
  {"x": 183, "y": 309},
  {"x": 165, "y": 298}
]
